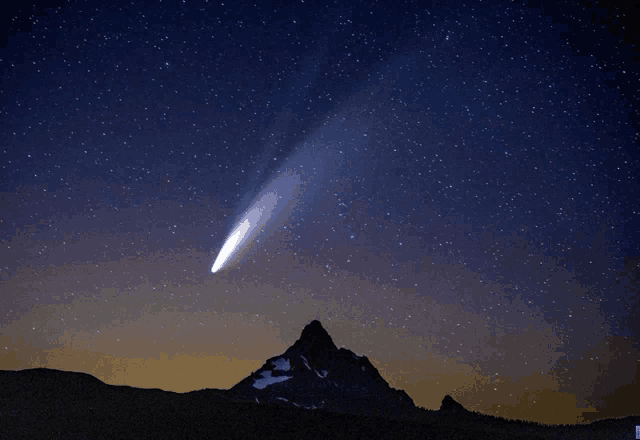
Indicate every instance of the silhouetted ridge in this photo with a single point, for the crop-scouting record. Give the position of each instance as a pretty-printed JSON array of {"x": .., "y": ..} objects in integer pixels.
[{"x": 43, "y": 403}]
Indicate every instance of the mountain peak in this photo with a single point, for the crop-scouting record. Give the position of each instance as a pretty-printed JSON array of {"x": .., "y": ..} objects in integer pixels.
[
  {"x": 314, "y": 324},
  {"x": 315, "y": 343},
  {"x": 315, "y": 335}
]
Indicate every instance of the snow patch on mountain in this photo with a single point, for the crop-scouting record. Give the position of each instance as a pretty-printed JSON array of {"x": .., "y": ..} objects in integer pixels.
[
  {"x": 281, "y": 364},
  {"x": 323, "y": 375},
  {"x": 305, "y": 406},
  {"x": 267, "y": 380}
]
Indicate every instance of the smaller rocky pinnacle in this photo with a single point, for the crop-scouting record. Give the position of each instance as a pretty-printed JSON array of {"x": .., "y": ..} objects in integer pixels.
[{"x": 450, "y": 405}]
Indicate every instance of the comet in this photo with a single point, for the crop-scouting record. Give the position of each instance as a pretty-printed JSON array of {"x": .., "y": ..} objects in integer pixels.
[
  {"x": 274, "y": 202},
  {"x": 298, "y": 184}
]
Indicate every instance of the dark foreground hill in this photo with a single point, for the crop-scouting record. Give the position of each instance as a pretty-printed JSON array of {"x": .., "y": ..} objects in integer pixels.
[
  {"x": 42, "y": 403},
  {"x": 312, "y": 391}
]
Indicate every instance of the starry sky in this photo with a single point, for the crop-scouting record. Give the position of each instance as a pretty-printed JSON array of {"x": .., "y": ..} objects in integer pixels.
[{"x": 467, "y": 219}]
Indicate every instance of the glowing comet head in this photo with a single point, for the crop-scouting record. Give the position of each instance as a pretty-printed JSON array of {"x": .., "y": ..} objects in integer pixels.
[
  {"x": 230, "y": 245},
  {"x": 274, "y": 198}
]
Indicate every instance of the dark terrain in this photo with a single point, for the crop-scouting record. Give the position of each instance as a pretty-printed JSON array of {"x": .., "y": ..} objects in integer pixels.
[{"x": 327, "y": 393}]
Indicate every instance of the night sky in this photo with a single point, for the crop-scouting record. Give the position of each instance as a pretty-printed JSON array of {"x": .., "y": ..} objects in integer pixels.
[{"x": 467, "y": 217}]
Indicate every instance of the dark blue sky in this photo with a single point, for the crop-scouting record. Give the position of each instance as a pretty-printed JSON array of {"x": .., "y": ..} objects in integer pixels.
[{"x": 481, "y": 156}]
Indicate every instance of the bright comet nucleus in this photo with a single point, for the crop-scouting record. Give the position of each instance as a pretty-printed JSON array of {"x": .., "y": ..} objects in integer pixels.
[
  {"x": 230, "y": 245},
  {"x": 249, "y": 226}
]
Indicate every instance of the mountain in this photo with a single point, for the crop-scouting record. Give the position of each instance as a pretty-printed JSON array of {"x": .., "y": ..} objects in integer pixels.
[{"x": 314, "y": 374}]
